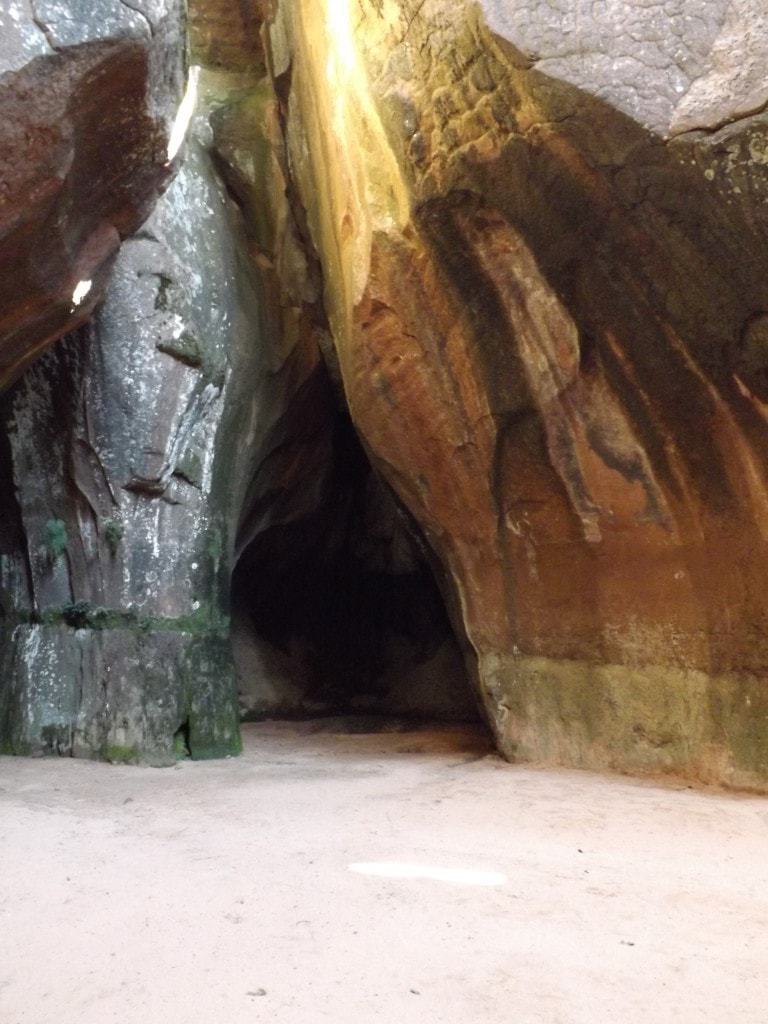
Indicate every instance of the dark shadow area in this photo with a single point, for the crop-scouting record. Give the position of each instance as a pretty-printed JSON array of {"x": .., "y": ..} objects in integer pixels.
[
  {"x": 338, "y": 612},
  {"x": 12, "y": 545}
]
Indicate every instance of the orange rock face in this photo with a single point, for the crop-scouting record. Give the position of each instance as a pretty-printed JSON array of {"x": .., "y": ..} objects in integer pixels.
[{"x": 550, "y": 319}]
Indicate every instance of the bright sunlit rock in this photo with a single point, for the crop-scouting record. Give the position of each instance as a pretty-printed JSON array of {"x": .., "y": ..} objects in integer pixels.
[
  {"x": 80, "y": 292},
  {"x": 343, "y": 53},
  {"x": 184, "y": 114}
]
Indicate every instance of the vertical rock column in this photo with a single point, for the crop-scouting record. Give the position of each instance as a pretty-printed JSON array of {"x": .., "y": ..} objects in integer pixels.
[
  {"x": 118, "y": 627},
  {"x": 134, "y": 445}
]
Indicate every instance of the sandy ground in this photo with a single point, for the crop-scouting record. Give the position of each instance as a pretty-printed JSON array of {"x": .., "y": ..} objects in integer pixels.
[{"x": 394, "y": 878}]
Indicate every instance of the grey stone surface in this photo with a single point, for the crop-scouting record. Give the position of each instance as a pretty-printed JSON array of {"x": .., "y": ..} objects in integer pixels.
[
  {"x": 672, "y": 66},
  {"x": 21, "y": 40},
  {"x": 127, "y": 485},
  {"x": 88, "y": 96},
  {"x": 68, "y": 22},
  {"x": 126, "y": 695}
]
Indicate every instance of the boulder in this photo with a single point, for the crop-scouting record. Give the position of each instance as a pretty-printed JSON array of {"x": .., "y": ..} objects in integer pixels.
[{"x": 89, "y": 91}]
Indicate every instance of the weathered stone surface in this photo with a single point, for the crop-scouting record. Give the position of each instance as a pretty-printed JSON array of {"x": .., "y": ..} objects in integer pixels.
[
  {"x": 544, "y": 263},
  {"x": 669, "y": 67},
  {"x": 191, "y": 425},
  {"x": 88, "y": 92},
  {"x": 529, "y": 240},
  {"x": 133, "y": 445},
  {"x": 334, "y": 603}
]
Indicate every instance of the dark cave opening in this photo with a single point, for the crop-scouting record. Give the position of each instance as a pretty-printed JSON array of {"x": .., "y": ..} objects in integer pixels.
[{"x": 338, "y": 612}]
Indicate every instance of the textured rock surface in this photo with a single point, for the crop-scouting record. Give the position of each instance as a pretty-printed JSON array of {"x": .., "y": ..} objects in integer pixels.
[
  {"x": 668, "y": 66},
  {"x": 133, "y": 446},
  {"x": 548, "y": 297},
  {"x": 88, "y": 93},
  {"x": 113, "y": 440},
  {"x": 189, "y": 425},
  {"x": 529, "y": 242}
]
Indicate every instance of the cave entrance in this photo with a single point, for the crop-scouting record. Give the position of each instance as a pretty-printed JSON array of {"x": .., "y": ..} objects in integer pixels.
[{"x": 337, "y": 611}]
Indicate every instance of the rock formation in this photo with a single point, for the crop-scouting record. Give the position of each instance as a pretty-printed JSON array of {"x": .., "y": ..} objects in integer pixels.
[
  {"x": 89, "y": 92},
  {"x": 525, "y": 242},
  {"x": 147, "y": 451},
  {"x": 543, "y": 245}
]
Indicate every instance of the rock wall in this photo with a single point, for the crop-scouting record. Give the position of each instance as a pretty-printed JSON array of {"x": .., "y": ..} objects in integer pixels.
[
  {"x": 117, "y": 447},
  {"x": 134, "y": 446},
  {"x": 90, "y": 98},
  {"x": 542, "y": 234},
  {"x": 188, "y": 425},
  {"x": 522, "y": 245}
]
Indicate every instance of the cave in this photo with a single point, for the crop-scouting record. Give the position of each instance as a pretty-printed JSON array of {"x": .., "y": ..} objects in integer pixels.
[
  {"x": 383, "y": 511},
  {"x": 338, "y": 612},
  {"x": 368, "y": 359},
  {"x": 333, "y": 609}
]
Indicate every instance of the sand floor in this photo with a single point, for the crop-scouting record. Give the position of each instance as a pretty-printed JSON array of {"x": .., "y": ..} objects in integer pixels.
[{"x": 409, "y": 877}]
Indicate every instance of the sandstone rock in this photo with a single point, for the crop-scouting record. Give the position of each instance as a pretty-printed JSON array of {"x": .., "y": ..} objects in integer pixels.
[
  {"x": 529, "y": 242},
  {"x": 543, "y": 254},
  {"x": 88, "y": 92},
  {"x": 669, "y": 68}
]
